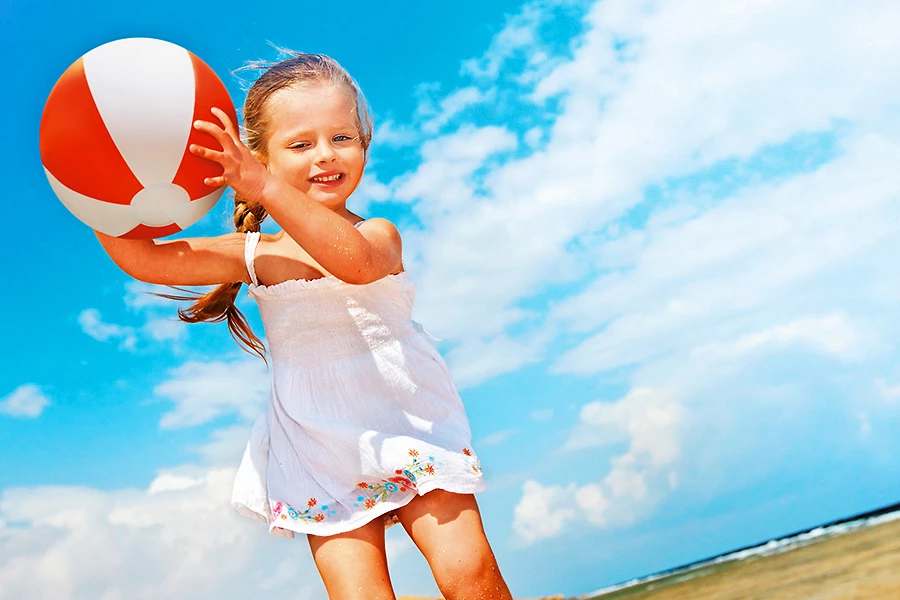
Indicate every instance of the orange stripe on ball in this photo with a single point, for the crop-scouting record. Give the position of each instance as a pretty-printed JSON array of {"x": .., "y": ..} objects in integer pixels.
[
  {"x": 209, "y": 92},
  {"x": 76, "y": 146}
]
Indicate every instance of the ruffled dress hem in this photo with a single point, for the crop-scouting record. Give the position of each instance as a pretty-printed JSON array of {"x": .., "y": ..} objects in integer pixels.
[{"x": 286, "y": 527}]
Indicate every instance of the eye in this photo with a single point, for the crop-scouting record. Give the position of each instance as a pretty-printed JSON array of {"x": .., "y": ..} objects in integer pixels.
[
  {"x": 343, "y": 138},
  {"x": 298, "y": 146}
]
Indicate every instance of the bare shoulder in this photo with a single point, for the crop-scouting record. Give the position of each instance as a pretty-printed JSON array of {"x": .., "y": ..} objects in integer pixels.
[{"x": 381, "y": 228}]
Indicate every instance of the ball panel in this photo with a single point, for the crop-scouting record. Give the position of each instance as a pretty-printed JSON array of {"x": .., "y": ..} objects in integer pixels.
[
  {"x": 198, "y": 208},
  {"x": 144, "y": 90},
  {"x": 75, "y": 145},
  {"x": 111, "y": 219},
  {"x": 160, "y": 205},
  {"x": 210, "y": 92},
  {"x": 144, "y": 232}
]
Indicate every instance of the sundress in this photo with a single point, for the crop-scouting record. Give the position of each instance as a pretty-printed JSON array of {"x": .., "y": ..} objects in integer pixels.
[{"x": 362, "y": 416}]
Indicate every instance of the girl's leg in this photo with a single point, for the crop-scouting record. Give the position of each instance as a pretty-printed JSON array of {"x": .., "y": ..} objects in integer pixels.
[
  {"x": 353, "y": 565},
  {"x": 447, "y": 529}
]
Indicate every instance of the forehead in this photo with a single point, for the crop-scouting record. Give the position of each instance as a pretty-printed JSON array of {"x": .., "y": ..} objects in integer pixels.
[{"x": 314, "y": 106}]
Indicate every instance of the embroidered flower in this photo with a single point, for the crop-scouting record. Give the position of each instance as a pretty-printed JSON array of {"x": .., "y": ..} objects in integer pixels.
[
  {"x": 284, "y": 510},
  {"x": 472, "y": 462},
  {"x": 404, "y": 481}
]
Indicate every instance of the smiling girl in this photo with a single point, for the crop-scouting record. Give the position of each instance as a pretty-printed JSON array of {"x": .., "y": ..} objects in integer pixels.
[{"x": 364, "y": 426}]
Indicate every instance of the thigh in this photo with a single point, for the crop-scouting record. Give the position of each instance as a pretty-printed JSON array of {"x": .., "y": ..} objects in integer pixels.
[
  {"x": 447, "y": 529},
  {"x": 353, "y": 565}
]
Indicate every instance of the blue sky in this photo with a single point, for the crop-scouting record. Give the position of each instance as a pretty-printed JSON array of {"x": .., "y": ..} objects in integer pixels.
[{"x": 658, "y": 240}]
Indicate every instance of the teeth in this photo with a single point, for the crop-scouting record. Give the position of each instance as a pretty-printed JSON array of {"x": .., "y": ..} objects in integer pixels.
[{"x": 329, "y": 178}]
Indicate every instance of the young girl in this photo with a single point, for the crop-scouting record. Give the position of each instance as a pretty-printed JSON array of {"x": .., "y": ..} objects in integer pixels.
[{"x": 364, "y": 426}]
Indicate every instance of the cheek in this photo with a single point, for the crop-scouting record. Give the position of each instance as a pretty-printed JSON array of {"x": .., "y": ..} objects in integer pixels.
[{"x": 290, "y": 168}]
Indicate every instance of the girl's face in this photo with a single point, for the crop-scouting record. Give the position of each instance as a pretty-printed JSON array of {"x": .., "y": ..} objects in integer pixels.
[{"x": 314, "y": 142}]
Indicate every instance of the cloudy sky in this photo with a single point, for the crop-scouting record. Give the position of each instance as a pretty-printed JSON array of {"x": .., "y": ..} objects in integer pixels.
[{"x": 658, "y": 239}]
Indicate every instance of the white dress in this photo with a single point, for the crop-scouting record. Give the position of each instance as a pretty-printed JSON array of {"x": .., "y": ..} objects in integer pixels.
[{"x": 362, "y": 415}]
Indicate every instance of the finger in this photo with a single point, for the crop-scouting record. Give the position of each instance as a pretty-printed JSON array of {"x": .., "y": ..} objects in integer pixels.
[
  {"x": 212, "y": 129},
  {"x": 208, "y": 153},
  {"x": 226, "y": 122},
  {"x": 215, "y": 182}
]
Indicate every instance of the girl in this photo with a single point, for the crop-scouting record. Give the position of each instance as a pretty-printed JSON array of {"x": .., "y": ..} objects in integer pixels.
[{"x": 364, "y": 426}]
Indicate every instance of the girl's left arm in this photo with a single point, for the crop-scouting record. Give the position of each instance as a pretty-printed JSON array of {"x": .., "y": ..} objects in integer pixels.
[{"x": 355, "y": 255}]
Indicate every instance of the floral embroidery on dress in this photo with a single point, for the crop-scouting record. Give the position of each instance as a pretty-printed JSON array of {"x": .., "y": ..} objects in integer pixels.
[
  {"x": 285, "y": 511},
  {"x": 472, "y": 461},
  {"x": 405, "y": 480}
]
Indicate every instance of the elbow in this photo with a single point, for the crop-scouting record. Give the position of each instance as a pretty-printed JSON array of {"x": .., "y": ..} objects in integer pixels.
[
  {"x": 361, "y": 276},
  {"x": 357, "y": 278},
  {"x": 133, "y": 257}
]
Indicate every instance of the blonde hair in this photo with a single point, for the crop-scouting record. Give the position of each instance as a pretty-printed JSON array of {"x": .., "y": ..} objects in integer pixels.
[{"x": 299, "y": 69}]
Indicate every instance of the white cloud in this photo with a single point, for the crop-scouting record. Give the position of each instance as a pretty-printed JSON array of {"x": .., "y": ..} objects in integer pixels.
[
  {"x": 477, "y": 361},
  {"x": 392, "y": 134},
  {"x": 520, "y": 37},
  {"x": 179, "y": 535},
  {"x": 740, "y": 79},
  {"x": 203, "y": 391},
  {"x": 454, "y": 104},
  {"x": 27, "y": 401},
  {"x": 161, "y": 330},
  {"x": 543, "y": 511},
  {"x": 160, "y": 324},
  {"x": 754, "y": 259},
  {"x": 833, "y": 334},
  {"x": 91, "y": 322},
  {"x": 650, "y": 421},
  {"x": 444, "y": 182}
]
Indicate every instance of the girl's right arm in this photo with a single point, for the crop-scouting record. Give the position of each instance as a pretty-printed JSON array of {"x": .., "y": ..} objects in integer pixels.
[{"x": 184, "y": 262}]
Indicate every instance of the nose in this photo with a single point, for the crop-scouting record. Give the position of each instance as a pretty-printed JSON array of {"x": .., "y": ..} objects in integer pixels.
[{"x": 325, "y": 152}]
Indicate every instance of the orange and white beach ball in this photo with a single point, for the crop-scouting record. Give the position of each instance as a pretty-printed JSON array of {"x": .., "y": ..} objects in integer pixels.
[{"x": 115, "y": 134}]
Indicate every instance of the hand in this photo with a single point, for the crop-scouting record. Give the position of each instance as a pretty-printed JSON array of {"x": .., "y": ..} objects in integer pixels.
[{"x": 246, "y": 175}]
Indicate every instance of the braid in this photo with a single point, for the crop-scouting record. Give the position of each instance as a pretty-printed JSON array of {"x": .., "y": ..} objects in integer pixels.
[{"x": 247, "y": 216}]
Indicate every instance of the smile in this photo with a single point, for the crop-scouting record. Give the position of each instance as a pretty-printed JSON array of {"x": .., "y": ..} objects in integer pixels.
[{"x": 327, "y": 178}]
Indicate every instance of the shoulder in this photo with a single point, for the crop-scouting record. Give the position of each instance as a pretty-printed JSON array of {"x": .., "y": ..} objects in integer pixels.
[
  {"x": 379, "y": 229},
  {"x": 377, "y": 224}
]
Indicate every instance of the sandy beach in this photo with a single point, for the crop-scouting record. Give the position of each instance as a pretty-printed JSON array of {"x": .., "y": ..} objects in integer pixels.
[{"x": 859, "y": 565}]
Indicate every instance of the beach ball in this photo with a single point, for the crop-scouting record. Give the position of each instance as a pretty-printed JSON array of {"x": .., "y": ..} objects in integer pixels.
[{"x": 115, "y": 133}]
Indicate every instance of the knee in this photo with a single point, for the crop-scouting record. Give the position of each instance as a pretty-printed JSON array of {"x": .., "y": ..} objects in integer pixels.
[{"x": 468, "y": 573}]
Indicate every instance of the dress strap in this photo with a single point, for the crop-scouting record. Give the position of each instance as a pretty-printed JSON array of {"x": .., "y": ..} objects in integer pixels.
[{"x": 250, "y": 243}]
